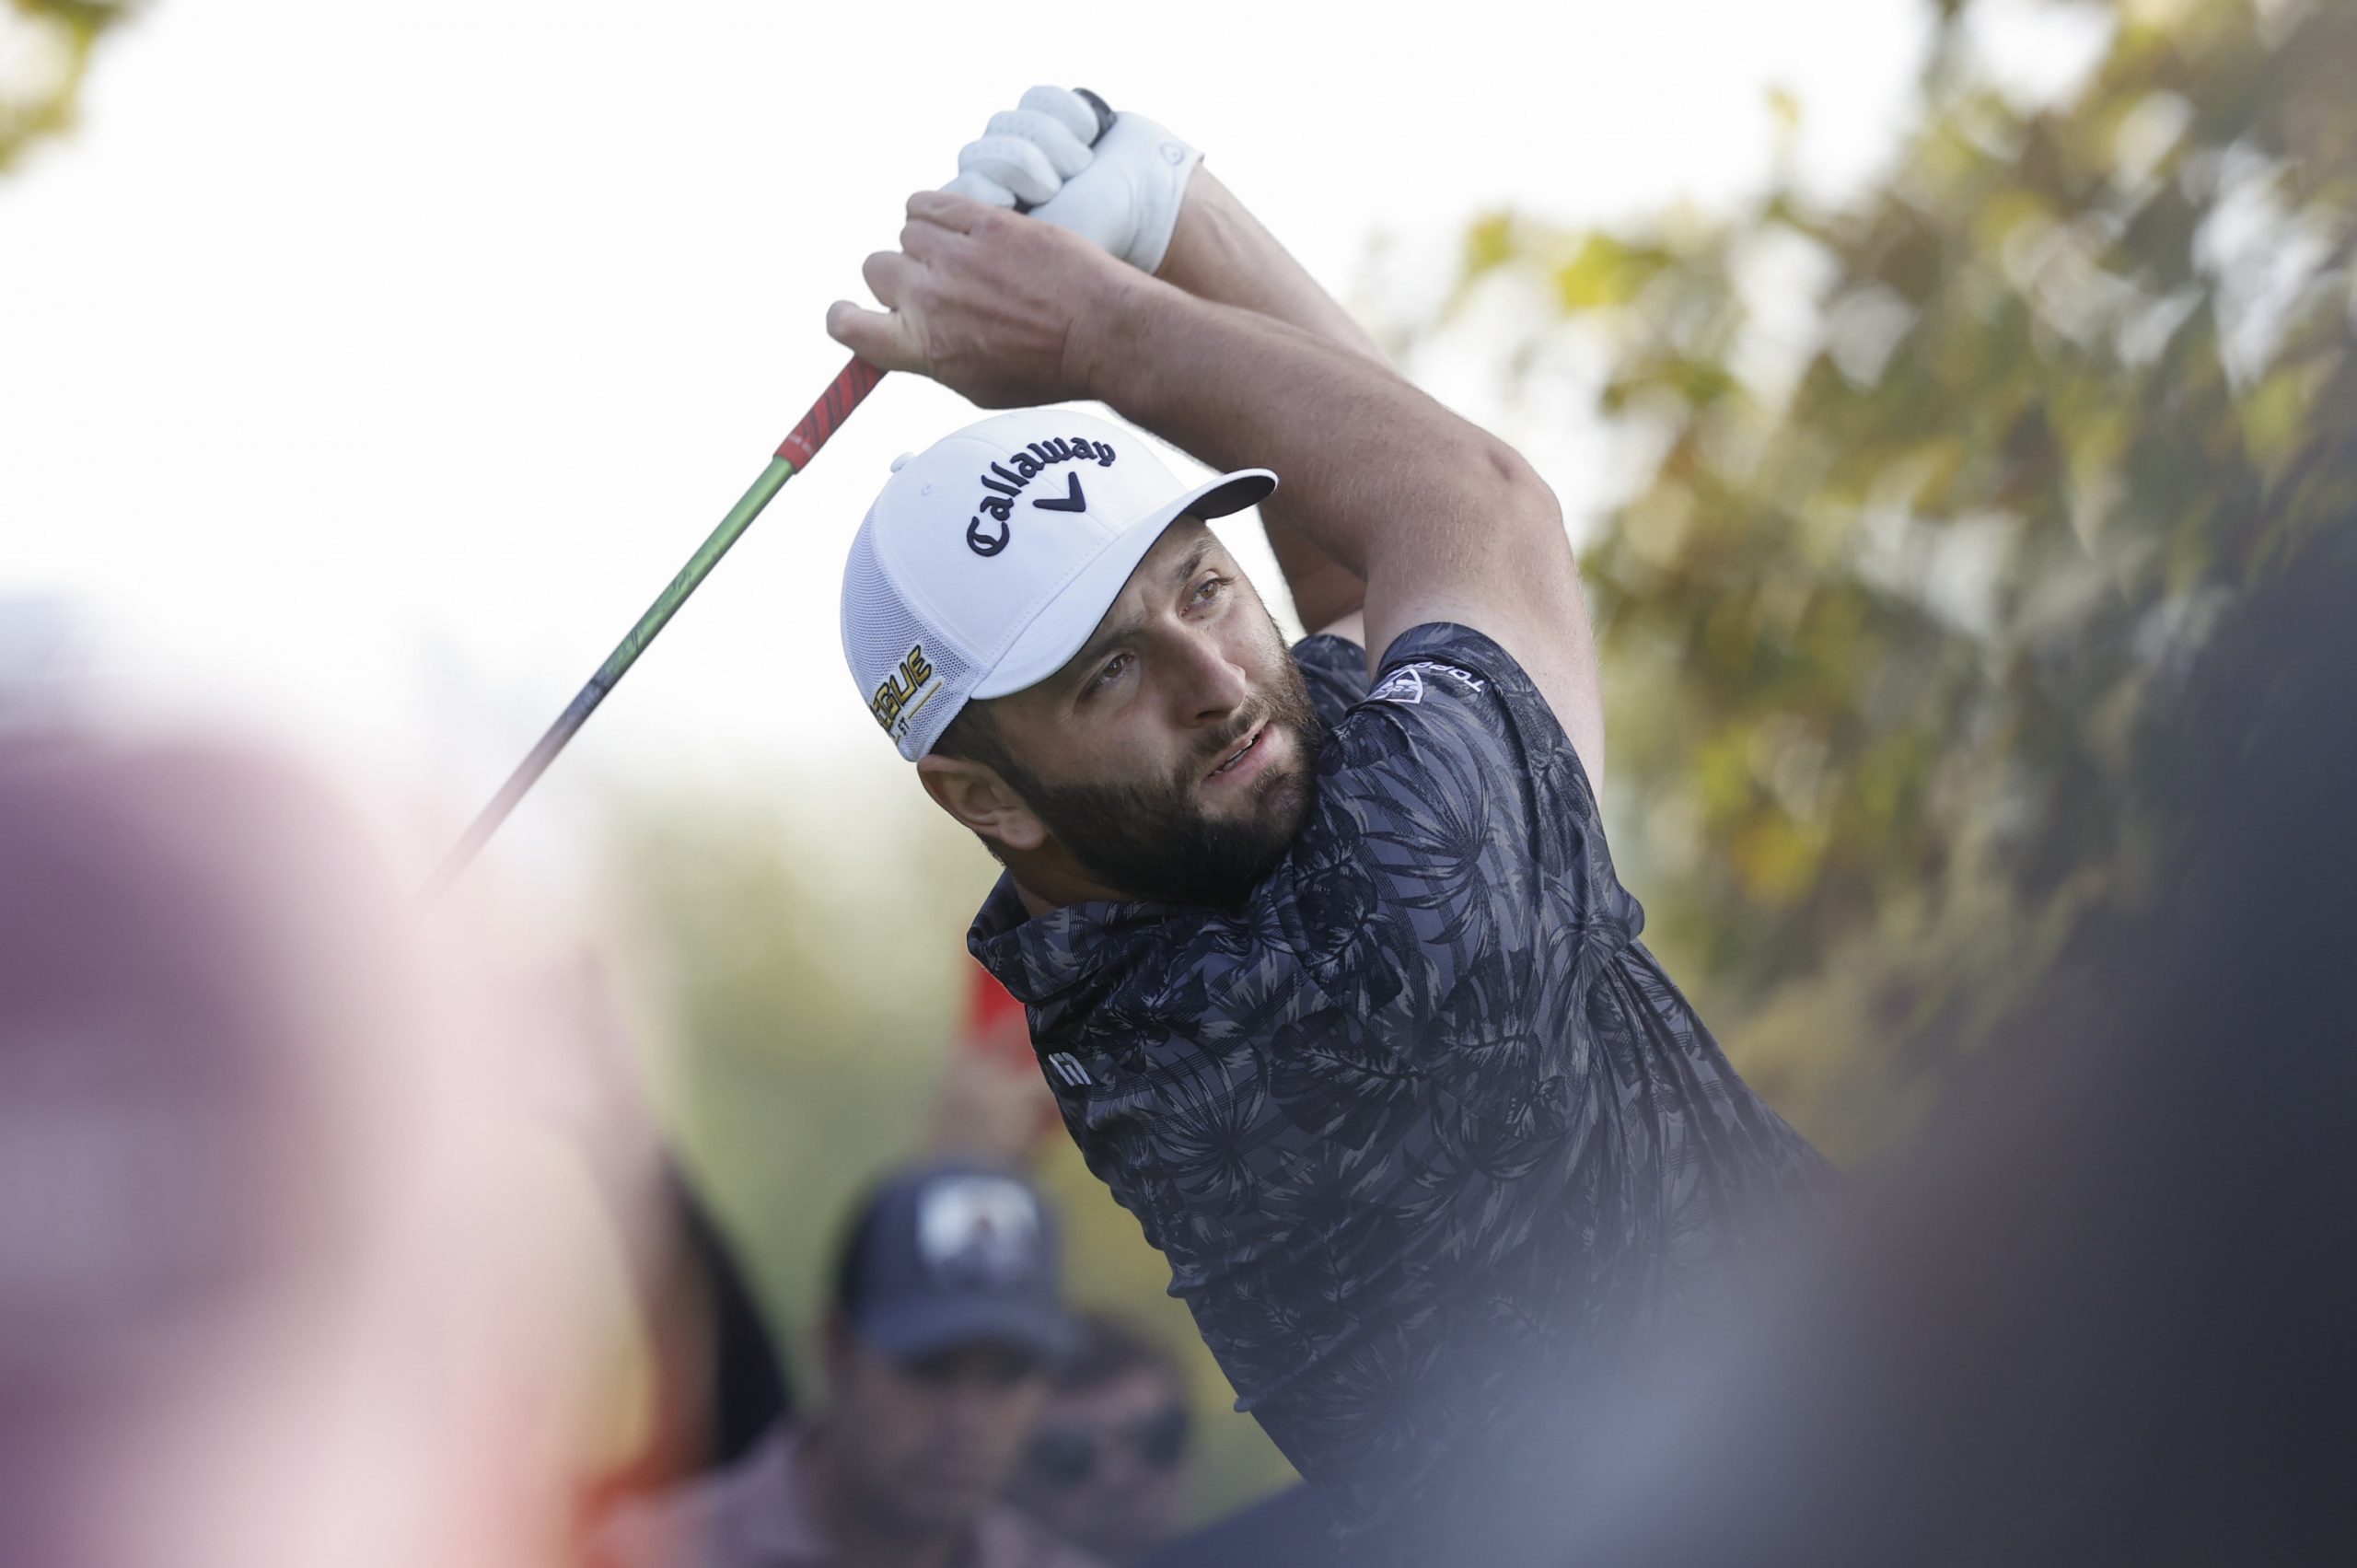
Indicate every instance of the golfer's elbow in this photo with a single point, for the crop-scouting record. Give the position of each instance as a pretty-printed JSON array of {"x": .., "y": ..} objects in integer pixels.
[{"x": 1524, "y": 520}]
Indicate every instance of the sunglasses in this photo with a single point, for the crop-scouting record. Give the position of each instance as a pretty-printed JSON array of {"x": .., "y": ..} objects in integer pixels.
[
  {"x": 1068, "y": 1456},
  {"x": 997, "y": 1367}
]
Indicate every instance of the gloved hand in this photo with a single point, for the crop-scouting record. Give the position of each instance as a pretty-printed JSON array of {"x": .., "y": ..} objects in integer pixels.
[{"x": 1122, "y": 193}]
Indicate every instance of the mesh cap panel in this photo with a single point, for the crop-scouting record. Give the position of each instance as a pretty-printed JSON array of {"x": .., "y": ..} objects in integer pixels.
[{"x": 913, "y": 680}]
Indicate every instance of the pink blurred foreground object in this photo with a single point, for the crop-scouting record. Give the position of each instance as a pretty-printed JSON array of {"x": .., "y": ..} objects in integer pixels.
[{"x": 250, "y": 1215}]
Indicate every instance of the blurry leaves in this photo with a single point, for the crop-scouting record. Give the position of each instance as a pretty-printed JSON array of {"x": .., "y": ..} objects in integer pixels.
[
  {"x": 1605, "y": 271},
  {"x": 45, "y": 52},
  {"x": 1489, "y": 243},
  {"x": 1894, "y": 639}
]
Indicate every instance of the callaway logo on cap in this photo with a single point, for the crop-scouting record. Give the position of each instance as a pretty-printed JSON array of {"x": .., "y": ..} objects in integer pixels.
[{"x": 990, "y": 557}]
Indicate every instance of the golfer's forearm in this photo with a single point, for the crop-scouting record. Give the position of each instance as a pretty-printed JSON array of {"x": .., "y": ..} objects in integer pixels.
[
  {"x": 1380, "y": 477},
  {"x": 1220, "y": 253}
]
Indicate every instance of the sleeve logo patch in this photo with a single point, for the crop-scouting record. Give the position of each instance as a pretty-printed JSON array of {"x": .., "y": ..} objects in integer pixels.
[{"x": 1406, "y": 684}]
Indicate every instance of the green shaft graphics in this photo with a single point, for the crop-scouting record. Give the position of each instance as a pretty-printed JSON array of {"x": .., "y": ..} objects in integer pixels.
[
  {"x": 716, "y": 545},
  {"x": 667, "y": 603},
  {"x": 851, "y": 384}
]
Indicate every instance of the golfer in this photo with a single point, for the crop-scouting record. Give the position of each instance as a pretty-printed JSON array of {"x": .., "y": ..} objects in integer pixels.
[{"x": 1325, "y": 956}]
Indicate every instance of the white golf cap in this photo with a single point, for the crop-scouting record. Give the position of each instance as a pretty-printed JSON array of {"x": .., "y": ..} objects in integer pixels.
[{"x": 990, "y": 557}]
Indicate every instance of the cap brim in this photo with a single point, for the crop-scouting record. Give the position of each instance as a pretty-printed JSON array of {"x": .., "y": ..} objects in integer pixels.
[
  {"x": 1065, "y": 623},
  {"x": 923, "y": 1327}
]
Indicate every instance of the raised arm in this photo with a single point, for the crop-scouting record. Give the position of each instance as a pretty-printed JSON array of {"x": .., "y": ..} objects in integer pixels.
[
  {"x": 1220, "y": 253},
  {"x": 1442, "y": 520},
  {"x": 1142, "y": 193}
]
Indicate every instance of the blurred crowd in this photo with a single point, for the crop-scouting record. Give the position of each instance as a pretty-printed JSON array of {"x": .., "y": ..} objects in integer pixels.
[
  {"x": 277, "y": 1285},
  {"x": 292, "y": 1178},
  {"x": 278, "y": 1282}
]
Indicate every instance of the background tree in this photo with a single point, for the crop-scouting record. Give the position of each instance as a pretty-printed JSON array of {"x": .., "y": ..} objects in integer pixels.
[
  {"x": 45, "y": 49},
  {"x": 1894, "y": 626}
]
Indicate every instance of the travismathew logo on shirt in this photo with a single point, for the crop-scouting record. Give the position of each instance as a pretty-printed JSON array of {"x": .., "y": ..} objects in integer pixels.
[{"x": 1002, "y": 486}]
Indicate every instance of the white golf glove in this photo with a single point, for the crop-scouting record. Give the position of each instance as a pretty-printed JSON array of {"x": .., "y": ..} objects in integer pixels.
[{"x": 1122, "y": 193}]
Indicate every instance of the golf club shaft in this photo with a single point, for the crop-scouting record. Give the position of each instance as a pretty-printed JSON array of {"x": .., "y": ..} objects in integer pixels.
[{"x": 854, "y": 381}]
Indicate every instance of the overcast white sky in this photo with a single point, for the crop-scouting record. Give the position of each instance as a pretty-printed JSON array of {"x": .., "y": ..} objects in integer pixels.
[{"x": 368, "y": 366}]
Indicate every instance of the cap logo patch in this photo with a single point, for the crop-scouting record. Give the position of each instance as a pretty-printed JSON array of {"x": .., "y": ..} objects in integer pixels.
[
  {"x": 979, "y": 1230},
  {"x": 1002, "y": 485},
  {"x": 896, "y": 700}
]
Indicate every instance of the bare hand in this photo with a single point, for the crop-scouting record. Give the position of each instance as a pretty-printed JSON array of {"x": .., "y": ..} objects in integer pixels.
[{"x": 1003, "y": 310}]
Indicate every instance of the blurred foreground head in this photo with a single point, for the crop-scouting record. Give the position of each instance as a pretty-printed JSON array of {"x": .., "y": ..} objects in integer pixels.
[
  {"x": 2100, "y": 1310},
  {"x": 242, "y": 1205}
]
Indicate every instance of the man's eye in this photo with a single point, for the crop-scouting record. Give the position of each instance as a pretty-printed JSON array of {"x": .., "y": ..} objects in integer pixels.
[
  {"x": 1111, "y": 673},
  {"x": 1211, "y": 589}
]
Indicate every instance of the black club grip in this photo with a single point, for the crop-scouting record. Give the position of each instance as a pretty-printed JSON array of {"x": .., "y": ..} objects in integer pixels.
[{"x": 1104, "y": 112}]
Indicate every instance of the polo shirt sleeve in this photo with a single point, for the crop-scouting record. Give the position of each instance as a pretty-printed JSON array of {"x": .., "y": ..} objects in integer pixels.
[
  {"x": 1335, "y": 672},
  {"x": 1456, "y": 836}
]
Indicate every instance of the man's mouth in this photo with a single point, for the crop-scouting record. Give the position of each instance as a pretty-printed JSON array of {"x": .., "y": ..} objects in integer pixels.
[{"x": 1242, "y": 753}]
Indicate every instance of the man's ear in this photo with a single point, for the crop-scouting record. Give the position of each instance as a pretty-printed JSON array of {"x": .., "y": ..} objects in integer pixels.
[{"x": 973, "y": 792}]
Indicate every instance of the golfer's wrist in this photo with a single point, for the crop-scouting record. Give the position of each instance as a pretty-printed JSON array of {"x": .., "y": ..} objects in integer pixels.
[
  {"x": 1219, "y": 252},
  {"x": 1108, "y": 342},
  {"x": 1202, "y": 255}
]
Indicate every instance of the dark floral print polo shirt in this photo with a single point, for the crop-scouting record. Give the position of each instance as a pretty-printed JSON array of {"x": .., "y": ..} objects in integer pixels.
[{"x": 1425, "y": 1134}]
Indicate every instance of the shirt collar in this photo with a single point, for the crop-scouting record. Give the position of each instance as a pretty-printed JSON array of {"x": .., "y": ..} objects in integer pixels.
[{"x": 1040, "y": 958}]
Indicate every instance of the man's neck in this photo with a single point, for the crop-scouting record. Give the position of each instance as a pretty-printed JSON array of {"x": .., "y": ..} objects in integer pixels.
[
  {"x": 858, "y": 1539},
  {"x": 1046, "y": 885}
]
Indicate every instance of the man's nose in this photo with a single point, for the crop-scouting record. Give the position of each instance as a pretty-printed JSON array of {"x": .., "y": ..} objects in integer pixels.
[{"x": 1213, "y": 686}]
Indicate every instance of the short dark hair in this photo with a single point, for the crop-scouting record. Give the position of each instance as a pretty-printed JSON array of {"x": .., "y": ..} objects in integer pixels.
[
  {"x": 973, "y": 735},
  {"x": 1108, "y": 1348}
]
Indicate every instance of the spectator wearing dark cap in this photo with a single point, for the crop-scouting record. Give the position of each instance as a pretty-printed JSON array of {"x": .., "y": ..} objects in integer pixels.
[
  {"x": 1107, "y": 1468},
  {"x": 944, "y": 1317}
]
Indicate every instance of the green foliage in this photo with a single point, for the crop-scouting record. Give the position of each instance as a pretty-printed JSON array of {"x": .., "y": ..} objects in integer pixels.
[
  {"x": 42, "y": 69},
  {"x": 1894, "y": 626}
]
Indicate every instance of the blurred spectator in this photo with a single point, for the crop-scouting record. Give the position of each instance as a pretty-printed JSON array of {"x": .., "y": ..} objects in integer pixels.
[
  {"x": 944, "y": 1316},
  {"x": 2099, "y": 1311},
  {"x": 717, "y": 1385},
  {"x": 1108, "y": 1468},
  {"x": 45, "y": 661},
  {"x": 257, "y": 1226},
  {"x": 738, "y": 1383},
  {"x": 1286, "y": 1530}
]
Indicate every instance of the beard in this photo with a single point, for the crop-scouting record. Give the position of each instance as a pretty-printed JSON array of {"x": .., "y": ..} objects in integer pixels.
[{"x": 1150, "y": 839}]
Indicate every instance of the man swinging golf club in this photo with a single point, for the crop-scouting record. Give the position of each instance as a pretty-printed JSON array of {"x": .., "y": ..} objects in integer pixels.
[{"x": 1324, "y": 954}]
